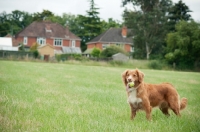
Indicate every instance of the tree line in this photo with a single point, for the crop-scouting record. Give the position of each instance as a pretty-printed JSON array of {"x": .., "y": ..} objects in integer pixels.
[
  {"x": 160, "y": 29},
  {"x": 163, "y": 30}
]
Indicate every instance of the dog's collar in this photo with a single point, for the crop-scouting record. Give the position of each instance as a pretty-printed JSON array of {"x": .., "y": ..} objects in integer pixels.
[{"x": 132, "y": 89}]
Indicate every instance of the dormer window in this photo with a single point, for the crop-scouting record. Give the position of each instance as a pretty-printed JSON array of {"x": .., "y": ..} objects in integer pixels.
[{"x": 48, "y": 30}]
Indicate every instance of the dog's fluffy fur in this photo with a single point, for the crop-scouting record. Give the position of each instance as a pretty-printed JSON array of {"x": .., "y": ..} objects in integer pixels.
[{"x": 145, "y": 96}]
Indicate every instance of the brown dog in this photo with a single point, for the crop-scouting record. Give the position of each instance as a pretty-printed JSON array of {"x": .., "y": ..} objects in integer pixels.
[{"x": 145, "y": 96}]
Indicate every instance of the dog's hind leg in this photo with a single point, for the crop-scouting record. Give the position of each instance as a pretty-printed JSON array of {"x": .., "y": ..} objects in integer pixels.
[
  {"x": 174, "y": 105},
  {"x": 164, "y": 108}
]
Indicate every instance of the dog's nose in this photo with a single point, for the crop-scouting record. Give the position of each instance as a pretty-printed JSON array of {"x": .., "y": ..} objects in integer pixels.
[{"x": 129, "y": 80}]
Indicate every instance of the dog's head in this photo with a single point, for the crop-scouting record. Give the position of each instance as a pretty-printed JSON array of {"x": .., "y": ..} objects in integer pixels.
[{"x": 135, "y": 76}]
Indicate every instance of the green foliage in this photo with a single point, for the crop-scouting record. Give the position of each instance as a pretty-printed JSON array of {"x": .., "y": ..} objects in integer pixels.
[
  {"x": 177, "y": 13},
  {"x": 64, "y": 57},
  {"x": 155, "y": 64},
  {"x": 116, "y": 63},
  {"x": 13, "y": 22},
  {"x": 45, "y": 14},
  {"x": 111, "y": 50},
  {"x": 147, "y": 24},
  {"x": 33, "y": 49},
  {"x": 183, "y": 46},
  {"x": 21, "y": 48},
  {"x": 34, "y": 46},
  {"x": 35, "y": 53},
  {"x": 111, "y": 23},
  {"x": 96, "y": 52}
]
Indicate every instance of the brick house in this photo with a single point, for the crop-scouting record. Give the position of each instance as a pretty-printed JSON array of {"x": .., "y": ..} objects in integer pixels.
[
  {"x": 53, "y": 34},
  {"x": 113, "y": 36}
]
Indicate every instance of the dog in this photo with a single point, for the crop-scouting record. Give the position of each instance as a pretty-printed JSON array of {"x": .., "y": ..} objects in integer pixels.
[{"x": 143, "y": 96}]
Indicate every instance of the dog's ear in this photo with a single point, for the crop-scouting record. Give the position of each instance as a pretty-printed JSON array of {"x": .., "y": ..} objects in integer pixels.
[
  {"x": 124, "y": 77},
  {"x": 140, "y": 75}
]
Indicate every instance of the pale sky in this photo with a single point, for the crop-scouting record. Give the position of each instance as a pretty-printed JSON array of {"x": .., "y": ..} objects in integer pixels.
[{"x": 108, "y": 8}]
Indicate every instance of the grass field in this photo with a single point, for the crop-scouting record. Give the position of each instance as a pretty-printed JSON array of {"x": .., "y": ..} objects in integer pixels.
[{"x": 55, "y": 97}]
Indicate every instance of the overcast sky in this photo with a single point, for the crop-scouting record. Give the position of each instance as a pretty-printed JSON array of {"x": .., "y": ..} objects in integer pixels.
[{"x": 108, "y": 8}]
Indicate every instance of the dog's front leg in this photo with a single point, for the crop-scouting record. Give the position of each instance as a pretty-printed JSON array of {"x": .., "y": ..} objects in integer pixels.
[
  {"x": 133, "y": 111},
  {"x": 147, "y": 108}
]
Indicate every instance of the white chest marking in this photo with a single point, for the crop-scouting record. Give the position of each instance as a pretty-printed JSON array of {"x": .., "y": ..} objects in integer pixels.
[{"x": 133, "y": 98}]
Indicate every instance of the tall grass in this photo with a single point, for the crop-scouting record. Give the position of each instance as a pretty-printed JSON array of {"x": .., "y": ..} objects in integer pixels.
[{"x": 56, "y": 97}]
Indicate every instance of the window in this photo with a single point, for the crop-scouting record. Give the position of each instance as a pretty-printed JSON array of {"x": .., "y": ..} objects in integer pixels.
[
  {"x": 73, "y": 43},
  {"x": 120, "y": 45},
  {"x": 41, "y": 41},
  {"x": 25, "y": 40},
  {"x": 132, "y": 49},
  {"x": 57, "y": 42},
  {"x": 104, "y": 46}
]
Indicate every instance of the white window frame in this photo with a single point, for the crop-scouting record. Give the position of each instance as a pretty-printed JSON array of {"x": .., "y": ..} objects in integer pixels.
[
  {"x": 120, "y": 45},
  {"x": 104, "y": 46},
  {"x": 73, "y": 43},
  {"x": 58, "y": 42},
  {"x": 132, "y": 49},
  {"x": 25, "y": 40},
  {"x": 41, "y": 41}
]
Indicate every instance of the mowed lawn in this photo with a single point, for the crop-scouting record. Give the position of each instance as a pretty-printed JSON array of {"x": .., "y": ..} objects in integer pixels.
[{"x": 55, "y": 97}]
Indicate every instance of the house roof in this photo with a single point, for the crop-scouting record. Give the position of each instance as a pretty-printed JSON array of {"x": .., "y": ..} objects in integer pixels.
[
  {"x": 41, "y": 46},
  {"x": 113, "y": 35},
  {"x": 71, "y": 50},
  {"x": 88, "y": 51},
  {"x": 47, "y": 29}
]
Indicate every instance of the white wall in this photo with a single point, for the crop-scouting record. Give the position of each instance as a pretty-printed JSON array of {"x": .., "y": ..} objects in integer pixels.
[{"x": 6, "y": 44}]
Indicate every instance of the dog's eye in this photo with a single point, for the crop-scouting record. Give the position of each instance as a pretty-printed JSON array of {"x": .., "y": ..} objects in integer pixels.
[{"x": 134, "y": 75}]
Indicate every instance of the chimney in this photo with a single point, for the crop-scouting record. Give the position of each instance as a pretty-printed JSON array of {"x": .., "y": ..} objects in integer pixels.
[{"x": 124, "y": 31}]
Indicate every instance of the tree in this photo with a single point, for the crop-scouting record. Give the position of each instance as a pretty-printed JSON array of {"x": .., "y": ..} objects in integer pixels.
[
  {"x": 45, "y": 14},
  {"x": 109, "y": 24},
  {"x": 4, "y": 24},
  {"x": 34, "y": 46},
  {"x": 183, "y": 46},
  {"x": 14, "y": 22},
  {"x": 33, "y": 49},
  {"x": 92, "y": 23},
  {"x": 147, "y": 23},
  {"x": 178, "y": 12},
  {"x": 19, "y": 20}
]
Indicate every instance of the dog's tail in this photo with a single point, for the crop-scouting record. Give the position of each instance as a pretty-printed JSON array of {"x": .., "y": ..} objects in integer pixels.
[{"x": 183, "y": 103}]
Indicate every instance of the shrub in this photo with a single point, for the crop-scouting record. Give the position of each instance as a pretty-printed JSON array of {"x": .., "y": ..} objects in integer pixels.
[
  {"x": 116, "y": 63},
  {"x": 96, "y": 52},
  {"x": 109, "y": 51},
  {"x": 34, "y": 46},
  {"x": 155, "y": 65},
  {"x": 64, "y": 57},
  {"x": 35, "y": 53}
]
